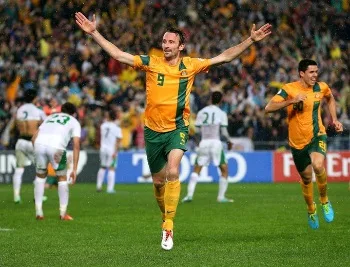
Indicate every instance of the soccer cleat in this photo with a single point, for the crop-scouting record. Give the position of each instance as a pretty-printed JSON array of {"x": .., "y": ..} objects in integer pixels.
[
  {"x": 167, "y": 240},
  {"x": 312, "y": 219},
  {"x": 328, "y": 212},
  {"x": 225, "y": 200},
  {"x": 111, "y": 192},
  {"x": 66, "y": 217},
  {"x": 39, "y": 217},
  {"x": 186, "y": 199},
  {"x": 17, "y": 200}
]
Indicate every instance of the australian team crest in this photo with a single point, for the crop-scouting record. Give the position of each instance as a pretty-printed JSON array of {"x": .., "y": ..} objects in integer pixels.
[{"x": 183, "y": 73}]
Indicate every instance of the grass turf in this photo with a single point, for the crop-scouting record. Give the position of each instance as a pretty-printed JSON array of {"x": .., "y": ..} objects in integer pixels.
[{"x": 265, "y": 226}]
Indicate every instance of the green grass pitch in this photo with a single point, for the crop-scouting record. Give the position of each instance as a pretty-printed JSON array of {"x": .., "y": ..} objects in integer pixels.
[{"x": 265, "y": 226}]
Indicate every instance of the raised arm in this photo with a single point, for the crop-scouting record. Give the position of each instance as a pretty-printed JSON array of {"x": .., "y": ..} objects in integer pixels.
[
  {"x": 89, "y": 26},
  {"x": 233, "y": 52}
]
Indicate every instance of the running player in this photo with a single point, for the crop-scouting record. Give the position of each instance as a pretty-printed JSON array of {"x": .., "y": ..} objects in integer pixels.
[
  {"x": 169, "y": 81},
  {"x": 307, "y": 135}
]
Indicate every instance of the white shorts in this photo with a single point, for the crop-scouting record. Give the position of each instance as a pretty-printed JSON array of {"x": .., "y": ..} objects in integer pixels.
[
  {"x": 46, "y": 154},
  {"x": 107, "y": 160},
  {"x": 24, "y": 153},
  {"x": 210, "y": 150}
]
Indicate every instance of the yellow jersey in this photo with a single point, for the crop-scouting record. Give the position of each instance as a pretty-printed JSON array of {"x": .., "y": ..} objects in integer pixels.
[
  {"x": 168, "y": 90},
  {"x": 304, "y": 118}
]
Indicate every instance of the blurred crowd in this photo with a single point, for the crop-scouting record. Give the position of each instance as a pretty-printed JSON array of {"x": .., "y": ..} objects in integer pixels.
[{"x": 42, "y": 48}]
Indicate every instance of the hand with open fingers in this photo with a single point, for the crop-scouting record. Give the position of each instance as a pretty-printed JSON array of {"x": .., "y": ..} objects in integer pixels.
[
  {"x": 260, "y": 34},
  {"x": 338, "y": 126},
  {"x": 88, "y": 26}
]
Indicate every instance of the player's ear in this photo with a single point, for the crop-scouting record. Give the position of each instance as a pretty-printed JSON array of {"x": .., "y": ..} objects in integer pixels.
[{"x": 181, "y": 47}]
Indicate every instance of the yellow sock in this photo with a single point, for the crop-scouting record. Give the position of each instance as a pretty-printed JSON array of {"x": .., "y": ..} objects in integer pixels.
[
  {"x": 159, "y": 195},
  {"x": 171, "y": 199},
  {"x": 308, "y": 195},
  {"x": 322, "y": 186}
]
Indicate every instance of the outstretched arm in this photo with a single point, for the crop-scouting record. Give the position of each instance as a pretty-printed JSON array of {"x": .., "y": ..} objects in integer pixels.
[
  {"x": 89, "y": 26},
  {"x": 233, "y": 52}
]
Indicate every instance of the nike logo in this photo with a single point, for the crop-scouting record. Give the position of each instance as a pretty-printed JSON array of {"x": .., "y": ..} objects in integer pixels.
[{"x": 169, "y": 211}]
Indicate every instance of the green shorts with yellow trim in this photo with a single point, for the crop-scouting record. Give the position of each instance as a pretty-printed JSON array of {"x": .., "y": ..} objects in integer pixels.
[
  {"x": 158, "y": 145},
  {"x": 302, "y": 158}
]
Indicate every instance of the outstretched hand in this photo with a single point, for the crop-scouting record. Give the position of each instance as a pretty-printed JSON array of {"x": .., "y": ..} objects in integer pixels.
[
  {"x": 260, "y": 34},
  {"x": 88, "y": 26}
]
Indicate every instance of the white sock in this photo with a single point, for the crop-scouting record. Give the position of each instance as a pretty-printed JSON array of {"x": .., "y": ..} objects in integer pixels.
[
  {"x": 192, "y": 184},
  {"x": 100, "y": 177},
  {"x": 223, "y": 184},
  {"x": 110, "y": 180},
  {"x": 17, "y": 181},
  {"x": 63, "y": 195},
  {"x": 39, "y": 188}
]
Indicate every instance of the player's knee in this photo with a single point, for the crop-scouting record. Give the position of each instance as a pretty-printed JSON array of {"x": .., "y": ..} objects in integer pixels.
[
  {"x": 173, "y": 174},
  {"x": 318, "y": 166}
]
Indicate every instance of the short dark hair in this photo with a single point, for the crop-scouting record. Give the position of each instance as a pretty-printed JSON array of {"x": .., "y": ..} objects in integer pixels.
[
  {"x": 216, "y": 97},
  {"x": 305, "y": 63},
  {"x": 69, "y": 108},
  {"x": 111, "y": 114},
  {"x": 29, "y": 95},
  {"x": 179, "y": 33}
]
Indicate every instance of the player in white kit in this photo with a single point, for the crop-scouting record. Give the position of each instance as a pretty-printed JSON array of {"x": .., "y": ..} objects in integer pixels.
[
  {"x": 212, "y": 122},
  {"x": 28, "y": 119},
  {"x": 50, "y": 143},
  {"x": 111, "y": 135}
]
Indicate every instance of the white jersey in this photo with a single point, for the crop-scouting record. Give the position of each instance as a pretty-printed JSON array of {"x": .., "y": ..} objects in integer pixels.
[
  {"x": 110, "y": 132},
  {"x": 210, "y": 119},
  {"x": 29, "y": 112},
  {"x": 57, "y": 130}
]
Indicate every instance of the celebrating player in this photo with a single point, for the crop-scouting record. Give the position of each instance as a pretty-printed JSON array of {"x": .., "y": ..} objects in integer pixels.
[{"x": 307, "y": 135}]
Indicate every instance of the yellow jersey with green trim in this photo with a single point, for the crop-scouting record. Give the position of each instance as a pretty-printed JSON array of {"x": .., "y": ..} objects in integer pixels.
[
  {"x": 304, "y": 118},
  {"x": 168, "y": 90}
]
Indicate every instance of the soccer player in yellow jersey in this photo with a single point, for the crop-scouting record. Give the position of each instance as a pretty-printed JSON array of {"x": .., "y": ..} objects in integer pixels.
[
  {"x": 307, "y": 135},
  {"x": 168, "y": 86}
]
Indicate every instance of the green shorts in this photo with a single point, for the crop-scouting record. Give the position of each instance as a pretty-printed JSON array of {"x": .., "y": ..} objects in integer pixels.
[
  {"x": 302, "y": 158},
  {"x": 158, "y": 145}
]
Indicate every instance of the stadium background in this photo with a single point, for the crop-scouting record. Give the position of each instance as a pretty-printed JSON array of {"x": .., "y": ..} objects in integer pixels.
[{"x": 43, "y": 49}]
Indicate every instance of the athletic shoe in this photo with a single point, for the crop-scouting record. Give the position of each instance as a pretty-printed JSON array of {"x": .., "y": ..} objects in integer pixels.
[
  {"x": 17, "y": 200},
  {"x": 328, "y": 212},
  {"x": 111, "y": 192},
  {"x": 167, "y": 240},
  {"x": 312, "y": 219},
  {"x": 39, "y": 217},
  {"x": 225, "y": 200},
  {"x": 66, "y": 217},
  {"x": 186, "y": 199}
]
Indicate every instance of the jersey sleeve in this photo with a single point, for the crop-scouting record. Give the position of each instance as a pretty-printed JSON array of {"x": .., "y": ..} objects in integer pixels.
[
  {"x": 142, "y": 62},
  {"x": 42, "y": 115},
  {"x": 198, "y": 122},
  {"x": 200, "y": 64},
  {"x": 224, "y": 120},
  {"x": 119, "y": 134},
  {"x": 281, "y": 95},
  {"x": 325, "y": 88},
  {"x": 76, "y": 129}
]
